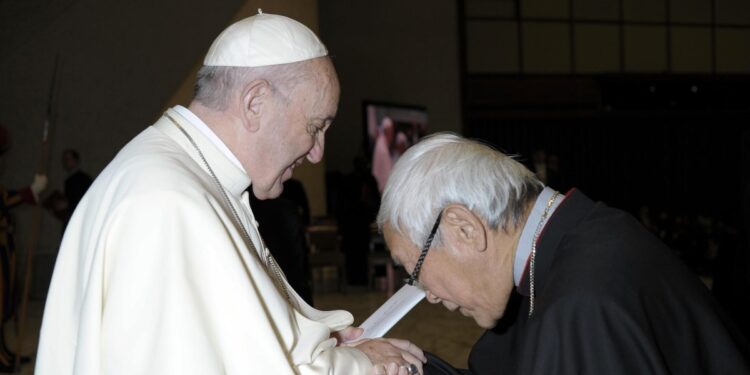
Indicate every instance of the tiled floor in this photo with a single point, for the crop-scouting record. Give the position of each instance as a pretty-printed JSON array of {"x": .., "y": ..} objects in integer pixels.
[{"x": 431, "y": 327}]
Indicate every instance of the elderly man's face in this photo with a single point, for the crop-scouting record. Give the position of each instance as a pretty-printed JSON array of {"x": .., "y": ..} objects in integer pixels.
[
  {"x": 460, "y": 280},
  {"x": 297, "y": 128}
]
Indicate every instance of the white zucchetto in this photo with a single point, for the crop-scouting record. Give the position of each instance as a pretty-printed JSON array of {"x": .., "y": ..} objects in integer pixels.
[{"x": 264, "y": 39}]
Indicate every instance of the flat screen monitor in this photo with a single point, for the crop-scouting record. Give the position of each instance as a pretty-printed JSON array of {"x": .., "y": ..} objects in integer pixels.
[{"x": 390, "y": 129}]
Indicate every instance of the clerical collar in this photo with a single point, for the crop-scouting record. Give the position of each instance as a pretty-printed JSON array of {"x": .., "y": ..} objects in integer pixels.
[
  {"x": 200, "y": 125},
  {"x": 523, "y": 250}
]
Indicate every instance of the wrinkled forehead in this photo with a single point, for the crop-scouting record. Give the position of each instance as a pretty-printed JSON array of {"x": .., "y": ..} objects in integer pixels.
[
  {"x": 325, "y": 88},
  {"x": 318, "y": 76},
  {"x": 327, "y": 80},
  {"x": 325, "y": 74}
]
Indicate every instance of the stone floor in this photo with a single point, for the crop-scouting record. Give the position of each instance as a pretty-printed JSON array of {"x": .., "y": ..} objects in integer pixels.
[{"x": 431, "y": 327}]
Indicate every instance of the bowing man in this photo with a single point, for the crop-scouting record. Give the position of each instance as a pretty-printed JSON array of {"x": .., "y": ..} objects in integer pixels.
[{"x": 563, "y": 284}]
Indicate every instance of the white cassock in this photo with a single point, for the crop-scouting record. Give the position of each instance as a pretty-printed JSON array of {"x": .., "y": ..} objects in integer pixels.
[{"x": 154, "y": 276}]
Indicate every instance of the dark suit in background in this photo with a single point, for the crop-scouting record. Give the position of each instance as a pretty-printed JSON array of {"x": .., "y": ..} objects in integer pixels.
[
  {"x": 358, "y": 205},
  {"x": 282, "y": 223},
  {"x": 75, "y": 187}
]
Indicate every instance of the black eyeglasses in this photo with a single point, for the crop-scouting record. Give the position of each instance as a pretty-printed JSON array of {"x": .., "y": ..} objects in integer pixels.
[{"x": 414, "y": 277}]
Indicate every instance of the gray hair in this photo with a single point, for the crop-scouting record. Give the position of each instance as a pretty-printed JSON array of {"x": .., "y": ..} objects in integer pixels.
[
  {"x": 216, "y": 85},
  {"x": 445, "y": 168}
]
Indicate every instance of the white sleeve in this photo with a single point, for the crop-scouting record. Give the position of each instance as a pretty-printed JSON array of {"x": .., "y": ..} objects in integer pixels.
[{"x": 183, "y": 294}]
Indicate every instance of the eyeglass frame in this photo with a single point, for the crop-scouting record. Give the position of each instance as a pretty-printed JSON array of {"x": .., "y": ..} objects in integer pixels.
[{"x": 414, "y": 277}]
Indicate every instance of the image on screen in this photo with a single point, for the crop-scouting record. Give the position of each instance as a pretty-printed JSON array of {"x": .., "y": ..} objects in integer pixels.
[{"x": 390, "y": 129}]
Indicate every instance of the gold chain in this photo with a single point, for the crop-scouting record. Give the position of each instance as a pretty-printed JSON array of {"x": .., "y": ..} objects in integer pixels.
[
  {"x": 269, "y": 262},
  {"x": 537, "y": 233}
]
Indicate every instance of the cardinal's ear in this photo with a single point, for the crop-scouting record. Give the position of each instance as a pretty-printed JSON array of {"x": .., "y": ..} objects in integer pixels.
[{"x": 464, "y": 227}]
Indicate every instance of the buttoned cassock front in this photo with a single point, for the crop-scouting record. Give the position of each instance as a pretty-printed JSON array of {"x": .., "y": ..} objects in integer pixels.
[{"x": 154, "y": 276}]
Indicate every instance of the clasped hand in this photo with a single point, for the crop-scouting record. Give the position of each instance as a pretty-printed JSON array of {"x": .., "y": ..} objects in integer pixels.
[{"x": 388, "y": 356}]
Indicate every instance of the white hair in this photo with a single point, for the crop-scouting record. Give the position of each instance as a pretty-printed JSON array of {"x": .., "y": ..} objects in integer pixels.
[
  {"x": 216, "y": 85},
  {"x": 445, "y": 168}
]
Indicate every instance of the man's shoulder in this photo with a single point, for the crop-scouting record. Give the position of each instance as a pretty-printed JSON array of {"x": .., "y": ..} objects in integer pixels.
[{"x": 152, "y": 162}]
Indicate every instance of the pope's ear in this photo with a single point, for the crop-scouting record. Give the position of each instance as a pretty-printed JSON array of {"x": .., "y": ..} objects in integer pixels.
[
  {"x": 465, "y": 227},
  {"x": 254, "y": 96}
]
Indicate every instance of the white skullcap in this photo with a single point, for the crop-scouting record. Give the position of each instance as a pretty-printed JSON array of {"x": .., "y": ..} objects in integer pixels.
[{"x": 264, "y": 39}]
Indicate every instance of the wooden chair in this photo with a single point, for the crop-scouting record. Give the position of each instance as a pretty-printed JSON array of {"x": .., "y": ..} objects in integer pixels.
[{"x": 379, "y": 256}]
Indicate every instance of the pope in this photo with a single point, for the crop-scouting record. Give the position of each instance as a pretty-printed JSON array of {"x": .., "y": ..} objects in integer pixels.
[{"x": 162, "y": 269}]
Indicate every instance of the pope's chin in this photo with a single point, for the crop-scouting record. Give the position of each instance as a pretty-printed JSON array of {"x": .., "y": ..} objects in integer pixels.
[
  {"x": 273, "y": 192},
  {"x": 277, "y": 187}
]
